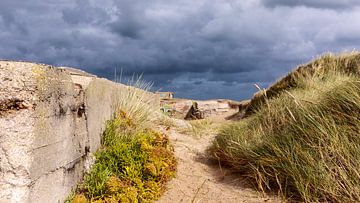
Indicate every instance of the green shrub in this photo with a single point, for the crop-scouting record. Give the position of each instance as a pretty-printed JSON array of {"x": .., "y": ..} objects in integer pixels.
[
  {"x": 304, "y": 143},
  {"x": 132, "y": 165}
]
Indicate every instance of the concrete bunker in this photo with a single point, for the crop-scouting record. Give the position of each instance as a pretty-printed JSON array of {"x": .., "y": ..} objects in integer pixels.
[{"x": 51, "y": 121}]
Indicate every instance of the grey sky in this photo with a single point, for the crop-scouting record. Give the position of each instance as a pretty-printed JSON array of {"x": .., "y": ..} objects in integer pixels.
[{"x": 199, "y": 49}]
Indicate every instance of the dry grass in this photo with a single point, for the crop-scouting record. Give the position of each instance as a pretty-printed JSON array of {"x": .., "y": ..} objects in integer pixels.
[
  {"x": 138, "y": 106},
  {"x": 200, "y": 128},
  {"x": 136, "y": 103},
  {"x": 304, "y": 141},
  {"x": 348, "y": 63},
  {"x": 165, "y": 120}
]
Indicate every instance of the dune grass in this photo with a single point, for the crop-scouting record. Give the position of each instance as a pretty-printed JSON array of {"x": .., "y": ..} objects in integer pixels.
[
  {"x": 136, "y": 103},
  {"x": 304, "y": 142},
  {"x": 347, "y": 63},
  {"x": 200, "y": 128}
]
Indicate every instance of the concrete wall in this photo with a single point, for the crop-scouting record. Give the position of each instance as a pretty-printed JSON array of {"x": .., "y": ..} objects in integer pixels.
[{"x": 51, "y": 120}]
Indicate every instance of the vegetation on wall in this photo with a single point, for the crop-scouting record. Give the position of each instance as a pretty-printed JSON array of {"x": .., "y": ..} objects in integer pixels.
[
  {"x": 132, "y": 165},
  {"x": 134, "y": 162},
  {"x": 303, "y": 141}
]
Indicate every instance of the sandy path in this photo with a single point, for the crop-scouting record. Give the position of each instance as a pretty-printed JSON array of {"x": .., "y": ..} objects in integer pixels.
[{"x": 200, "y": 180}]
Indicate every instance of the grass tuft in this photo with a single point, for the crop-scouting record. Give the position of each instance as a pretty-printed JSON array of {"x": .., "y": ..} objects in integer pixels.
[
  {"x": 304, "y": 142},
  {"x": 137, "y": 103},
  {"x": 200, "y": 128},
  {"x": 347, "y": 63}
]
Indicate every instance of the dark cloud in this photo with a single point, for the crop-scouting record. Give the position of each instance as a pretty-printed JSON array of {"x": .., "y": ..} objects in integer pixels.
[
  {"x": 199, "y": 49},
  {"x": 130, "y": 19},
  {"x": 326, "y": 4},
  {"x": 84, "y": 13}
]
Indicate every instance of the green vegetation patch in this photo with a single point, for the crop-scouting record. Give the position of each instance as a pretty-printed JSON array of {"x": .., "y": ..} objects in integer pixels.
[
  {"x": 133, "y": 165},
  {"x": 303, "y": 143}
]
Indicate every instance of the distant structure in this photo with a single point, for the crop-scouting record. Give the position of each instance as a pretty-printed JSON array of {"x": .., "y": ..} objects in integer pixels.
[
  {"x": 194, "y": 112},
  {"x": 165, "y": 95}
]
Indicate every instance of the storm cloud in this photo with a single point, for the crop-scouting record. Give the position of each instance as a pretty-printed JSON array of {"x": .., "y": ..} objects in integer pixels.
[
  {"x": 321, "y": 4},
  {"x": 199, "y": 49}
]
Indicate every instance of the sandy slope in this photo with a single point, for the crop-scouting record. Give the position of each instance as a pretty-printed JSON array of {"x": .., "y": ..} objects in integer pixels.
[{"x": 201, "y": 180}]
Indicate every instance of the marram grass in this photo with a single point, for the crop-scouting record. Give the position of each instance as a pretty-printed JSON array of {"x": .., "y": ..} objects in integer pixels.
[
  {"x": 347, "y": 63},
  {"x": 303, "y": 143},
  {"x": 137, "y": 103}
]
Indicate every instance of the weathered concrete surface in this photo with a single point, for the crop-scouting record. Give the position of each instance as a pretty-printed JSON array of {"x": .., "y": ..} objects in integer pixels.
[{"x": 51, "y": 120}]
